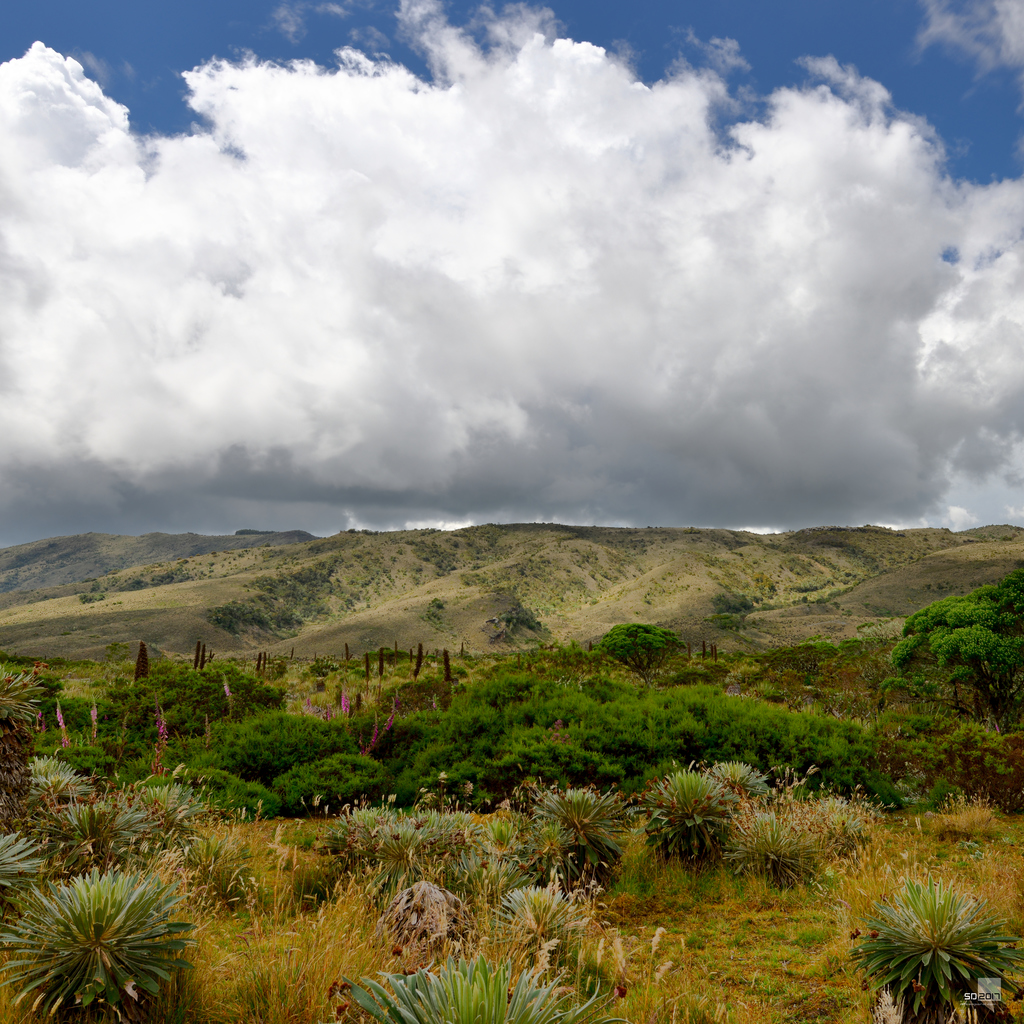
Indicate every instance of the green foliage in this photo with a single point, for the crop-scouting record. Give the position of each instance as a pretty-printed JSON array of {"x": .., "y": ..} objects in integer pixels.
[
  {"x": 95, "y": 834},
  {"x": 472, "y": 992},
  {"x": 227, "y": 791},
  {"x": 970, "y": 759},
  {"x": 731, "y": 604},
  {"x": 189, "y": 698},
  {"x": 772, "y": 845},
  {"x": 539, "y": 914},
  {"x": 258, "y": 613},
  {"x": 968, "y": 652},
  {"x": 642, "y": 648},
  {"x": 501, "y": 731},
  {"x": 339, "y": 779},
  {"x": 19, "y": 698},
  {"x": 520, "y": 617},
  {"x": 740, "y": 778},
  {"x": 262, "y": 749},
  {"x": 689, "y": 815},
  {"x": 20, "y": 861},
  {"x": 594, "y": 822},
  {"x": 97, "y": 937},
  {"x": 932, "y": 943},
  {"x": 55, "y": 780}
]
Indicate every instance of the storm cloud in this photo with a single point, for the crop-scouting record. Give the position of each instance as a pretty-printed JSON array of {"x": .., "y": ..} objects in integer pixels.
[{"x": 531, "y": 287}]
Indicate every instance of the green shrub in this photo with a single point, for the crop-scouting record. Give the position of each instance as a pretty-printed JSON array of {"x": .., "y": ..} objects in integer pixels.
[
  {"x": 689, "y": 814},
  {"x": 188, "y": 699},
  {"x": 229, "y": 792},
  {"x": 470, "y": 992},
  {"x": 502, "y": 730},
  {"x": 931, "y": 944},
  {"x": 262, "y": 749},
  {"x": 99, "y": 936},
  {"x": 339, "y": 779}
]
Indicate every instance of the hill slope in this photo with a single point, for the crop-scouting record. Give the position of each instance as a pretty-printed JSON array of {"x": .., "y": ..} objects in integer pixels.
[{"x": 481, "y": 585}]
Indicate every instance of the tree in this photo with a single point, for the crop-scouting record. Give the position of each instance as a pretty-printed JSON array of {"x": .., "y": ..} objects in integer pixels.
[
  {"x": 640, "y": 647},
  {"x": 967, "y": 652},
  {"x": 19, "y": 695}
]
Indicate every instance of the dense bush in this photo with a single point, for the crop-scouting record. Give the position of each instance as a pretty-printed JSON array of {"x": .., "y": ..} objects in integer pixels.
[
  {"x": 338, "y": 780},
  {"x": 264, "y": 748},
  {"x": 971, "y": 760},
  {"x": 189, "y": 698},
  {"x": 504, "y": 729},
  {"x": 229, "y": 792}
]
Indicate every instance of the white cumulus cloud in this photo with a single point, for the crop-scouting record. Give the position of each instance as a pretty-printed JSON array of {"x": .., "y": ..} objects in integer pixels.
[{"x": 530, "y": 287}]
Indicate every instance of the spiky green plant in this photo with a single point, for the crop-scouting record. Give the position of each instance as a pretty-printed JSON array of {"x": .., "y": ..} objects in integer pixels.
[
  {"x": 19, "y": 697},
  {"x": 173, "y": 811},
  {"x": 771, "y": 845},
  {"x": 689, "y": 814},
  {"x": 539, "y": 914},
  {"x": 486, "y": 877},
  {"x": 55, "y": 780},
  {"x": 931, "y": 945},
  {"x": 472, "y": 992},
  {"x": 546, "y": 849},
  {"x": 96, "y": 833},
  {"x": 741, "y": 778},
  {"x": 20, "y": 861},
  {"x": 96, "y": 937},
  {"x": 594, "y": 821},
  {"x": 415, "y": 847}
]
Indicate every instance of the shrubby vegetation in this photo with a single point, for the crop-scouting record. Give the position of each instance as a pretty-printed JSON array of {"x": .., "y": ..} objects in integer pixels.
[{"x": 535, "y": 807}]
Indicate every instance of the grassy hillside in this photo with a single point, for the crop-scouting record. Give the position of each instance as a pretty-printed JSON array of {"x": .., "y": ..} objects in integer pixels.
[
  {"x": 488, "y": 587},
  {"x": 62, "y": 560}
]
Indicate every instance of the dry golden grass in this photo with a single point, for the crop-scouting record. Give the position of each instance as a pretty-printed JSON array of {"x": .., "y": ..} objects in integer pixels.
[
  {"x": 667, "y": 944},
  {"x": 963, "y": 819}
]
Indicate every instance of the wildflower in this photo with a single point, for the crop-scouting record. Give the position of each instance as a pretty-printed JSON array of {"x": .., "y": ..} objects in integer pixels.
[
  {"x": 40, "y": 722},
  {"x": 94, "y": 715},
  {"x": 345, "y": 709},
  {"x": 161, "y": 743},
  {"x": 64, "y": 741},
  {"x": 227, "y": 690}
]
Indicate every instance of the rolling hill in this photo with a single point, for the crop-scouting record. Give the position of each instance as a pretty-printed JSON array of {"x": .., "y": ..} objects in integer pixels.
[{"x": 483, "y": 586}]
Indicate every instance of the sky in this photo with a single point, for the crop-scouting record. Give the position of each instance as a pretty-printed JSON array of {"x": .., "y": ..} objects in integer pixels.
[{"x": 368, "y": 264}]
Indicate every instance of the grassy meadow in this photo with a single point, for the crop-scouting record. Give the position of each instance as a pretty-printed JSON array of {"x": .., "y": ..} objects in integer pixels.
[{"x": 285, "y": 885}]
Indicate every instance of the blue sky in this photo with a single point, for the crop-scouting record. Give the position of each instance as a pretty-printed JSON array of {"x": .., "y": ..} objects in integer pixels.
[
  {"x": 329, "y": 263},
  {"x": 137, "y": 50}
]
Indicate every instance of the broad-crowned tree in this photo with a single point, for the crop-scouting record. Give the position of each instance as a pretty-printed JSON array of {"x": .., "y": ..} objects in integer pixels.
[
  {"x": 967, "y": 652},
  {"x": 640, "y": 647}
]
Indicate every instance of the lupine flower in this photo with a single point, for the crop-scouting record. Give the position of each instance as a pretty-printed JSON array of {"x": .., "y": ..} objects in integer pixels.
[
  {"x": 161, "y": 743},
  {"x": 64, "y": 741},
  {"x": 345, "y": 710},
  {"x": 227, "y": 690},
  {"x": 94, "y": 715},
  {"x": 40, "y": 722}
]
